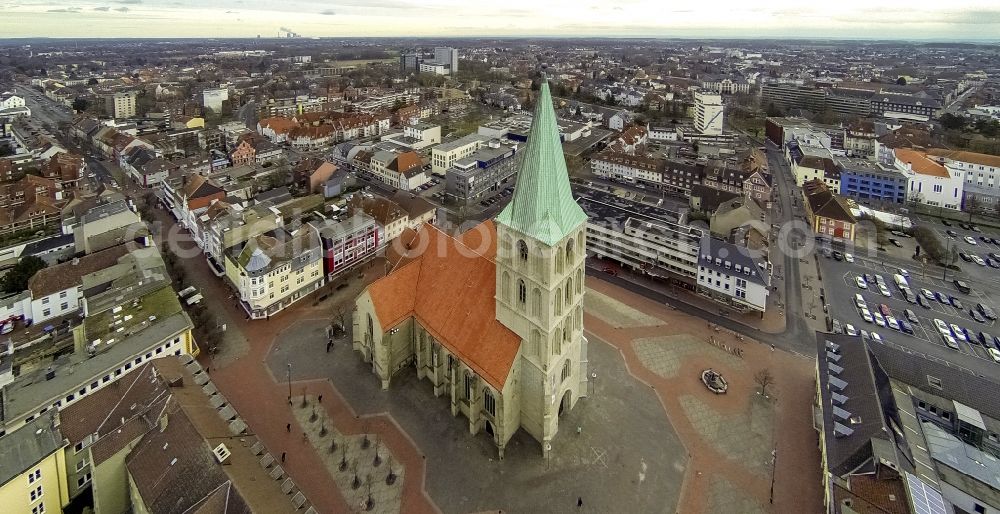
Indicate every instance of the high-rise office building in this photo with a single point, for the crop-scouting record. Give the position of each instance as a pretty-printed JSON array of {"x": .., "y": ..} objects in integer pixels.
[
  {"x": 708, "y": 113},
  {"x": 448, "y": 57}
]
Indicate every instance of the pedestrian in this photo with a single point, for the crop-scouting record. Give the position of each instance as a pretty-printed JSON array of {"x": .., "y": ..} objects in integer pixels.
[
  {"x": 579, "y": 502},
  {"x": 328, "y": 345},
  {"x": 207, "y": 370},
  {"x": 282, "y": 457},
  {"x": 288, "y": 428},
  {"x": 320, "y": 398},
  {"x": 304, "y": 437}
]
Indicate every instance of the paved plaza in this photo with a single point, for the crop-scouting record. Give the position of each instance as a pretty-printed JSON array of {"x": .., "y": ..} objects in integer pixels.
[{"x": 651, "y": 438}]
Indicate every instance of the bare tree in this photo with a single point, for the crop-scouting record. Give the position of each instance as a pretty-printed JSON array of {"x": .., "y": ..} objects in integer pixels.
[{"x": 763, "y": 378}]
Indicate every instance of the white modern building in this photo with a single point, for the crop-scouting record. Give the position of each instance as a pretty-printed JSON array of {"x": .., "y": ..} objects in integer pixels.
[
  {"x": 980, "y": 174},
  {"x": 708, "y": 110},
  {"x": 734, "y": 274},
  {"x": 929, "y": 182},
  {"x": 444, "y": 155}
]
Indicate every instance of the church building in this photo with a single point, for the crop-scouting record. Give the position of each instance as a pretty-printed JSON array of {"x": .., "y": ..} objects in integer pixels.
[{"x": 493, "y": 317}]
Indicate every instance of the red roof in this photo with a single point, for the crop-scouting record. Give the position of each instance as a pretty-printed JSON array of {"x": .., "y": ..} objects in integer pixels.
[{"x": 450, "y": 289}]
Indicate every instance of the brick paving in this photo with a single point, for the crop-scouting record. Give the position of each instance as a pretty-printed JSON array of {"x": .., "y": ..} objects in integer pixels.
[
  {"x": 727, "y": 435},
  {"x": 712, "y": 481}
]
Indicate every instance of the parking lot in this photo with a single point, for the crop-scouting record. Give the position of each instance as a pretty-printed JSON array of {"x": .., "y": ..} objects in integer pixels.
[{"x": 840, "y": 281}]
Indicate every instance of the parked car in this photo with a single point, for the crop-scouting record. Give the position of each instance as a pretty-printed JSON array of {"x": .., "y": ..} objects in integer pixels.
[
  {"x": 905, "y": 326},
  {"x": 861, "y": 283},
  {"x": 911, "y": 316},
  {"x": 945, "y": 222},
  {"x": 927, "y": 293},
  {"x": 941, "y": 326},
  {"x": 978, "y": 260},
  {"x": 994, "y": 354},
  {"x": 951, "y": 233},
  {"x": 866, "y": 315},
  {"x": 986, "y": 340},
  {"x": 965, "y": 257},
  {"x": 976, "y": 316},
  {"x": 956, "y": 303},
  {"x": 884, "y": 290},
  {"x": 879, "y": 319},
  {"x": 869, "y": 278},
  {"x": 958, "y": 333},
  {"x": 838, "y": 256},
  {"x": 962, "y": 286},
  {"x": 941, "y": 297},
  {"x": 837, "y": 329},
  {"x": 964, "y": 225},
  {"x": 986, "y": 312},
  {"x": 949, "y": 341},
  {"x": 848, "y": 257},
  {"x": 923, "y": 302},
  {"x": 891, "y": 323},
  {"x": 859, "y": 301},
  {"x": 850, "y": 330},
  {"x": 968, "y": 239},
  {"x": 895, "y": 243},
  {"x": 877, "y": 338}
]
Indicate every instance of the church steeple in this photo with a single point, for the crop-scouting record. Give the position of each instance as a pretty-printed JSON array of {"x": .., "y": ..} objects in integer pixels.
[{"x": 542, "y": 207}]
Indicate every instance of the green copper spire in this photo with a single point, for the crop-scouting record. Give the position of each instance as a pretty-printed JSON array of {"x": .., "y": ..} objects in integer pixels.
[{"x": 543, "y": 207}]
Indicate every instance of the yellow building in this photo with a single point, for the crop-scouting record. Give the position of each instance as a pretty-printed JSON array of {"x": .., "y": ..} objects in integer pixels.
[
  {"x": 33, "y": 469},
  {"x": 274, "y": 270}
]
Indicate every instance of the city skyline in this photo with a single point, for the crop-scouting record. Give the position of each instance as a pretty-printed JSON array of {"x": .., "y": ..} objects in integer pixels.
[{"x": 964, "y": 20}]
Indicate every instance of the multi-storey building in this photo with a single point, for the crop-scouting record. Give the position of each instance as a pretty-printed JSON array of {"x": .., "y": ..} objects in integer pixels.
[
  {"x": 130, "y": 315},
  {"x": 444, "y": 155},
  {"x": 271, "y": 271},
  {"x": 347, "y": 243},
  {"x": 120, "y": 104},
  {"x": 871, "y": 181},
  {"x": 734, "y": 275},
  {"x": 980, "y": 172},
  {"x": 929, "y": 182},
  {"x": 827, "y": 212},
  {"x": 34, "y": 468},
  {"x": 645, "y": 238},
  {"x": 482, "y": 175},
  {"x": 708, "y": 112},
  {"x": 904, "y": 106}
]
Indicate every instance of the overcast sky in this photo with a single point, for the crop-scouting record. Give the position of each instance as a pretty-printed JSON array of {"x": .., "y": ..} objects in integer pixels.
[{"x": 880, "y": 19}]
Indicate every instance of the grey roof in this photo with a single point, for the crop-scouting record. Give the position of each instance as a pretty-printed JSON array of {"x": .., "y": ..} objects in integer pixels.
[
  {"x": 961, "y": 456},
  {"x": 26, "y": 447},
  {"x": 849, "y": 444},
  {"x": 49, "y": 243},
  {"x": 733, "y": 255},
  {"x": 956, "y": 383},
  {"x": 31, "y": 392},
  {"x": 460, "y": 142},
  {"x": 330, "y": 229}
]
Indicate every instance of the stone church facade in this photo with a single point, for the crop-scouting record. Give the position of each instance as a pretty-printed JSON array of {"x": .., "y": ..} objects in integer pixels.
[{"x": 493, "y": 317}]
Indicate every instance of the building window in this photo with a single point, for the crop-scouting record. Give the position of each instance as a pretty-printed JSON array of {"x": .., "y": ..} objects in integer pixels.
[
  {"x": 536, "y": 302},
  {"x": 468, "y": 386},
  {"x": 489, "y": 402},
  {"x": 36, "y": 475},
  {"x": 522, "y": 249},
  {"x": 38, "y": 509},
  {"x": 567, "y": 369},
  {"x": 84, "y": 480},
  {"x": 522, "y": 293},
  {"x": 35, "y": 493}
]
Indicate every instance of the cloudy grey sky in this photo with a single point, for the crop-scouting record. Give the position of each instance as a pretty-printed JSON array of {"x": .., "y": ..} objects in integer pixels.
[{"x": 889, "y": 19}]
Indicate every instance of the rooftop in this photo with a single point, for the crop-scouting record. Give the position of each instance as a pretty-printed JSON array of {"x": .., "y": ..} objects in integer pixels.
[
  {"x": 31, "y": 391},
  {"x": 26, "y": 447}
]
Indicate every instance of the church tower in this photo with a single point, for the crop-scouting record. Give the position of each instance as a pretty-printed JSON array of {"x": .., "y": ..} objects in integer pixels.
[{"x": 540, "y": 273}]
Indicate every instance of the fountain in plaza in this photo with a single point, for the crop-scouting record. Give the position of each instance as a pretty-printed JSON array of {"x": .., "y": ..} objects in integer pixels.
[{"x": 713, "y": 381}]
